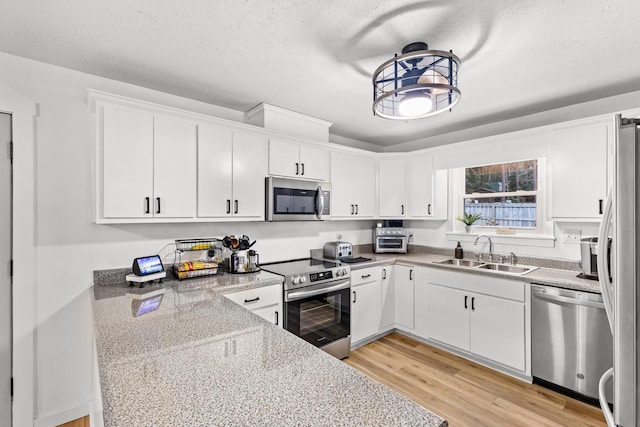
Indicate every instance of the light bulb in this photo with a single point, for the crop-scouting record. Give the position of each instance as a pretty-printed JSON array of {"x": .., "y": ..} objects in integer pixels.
[{"x": 414, "y": 105}]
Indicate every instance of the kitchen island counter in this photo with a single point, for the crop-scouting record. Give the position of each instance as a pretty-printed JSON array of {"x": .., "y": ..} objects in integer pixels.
[{"x": 201, "y": 360}]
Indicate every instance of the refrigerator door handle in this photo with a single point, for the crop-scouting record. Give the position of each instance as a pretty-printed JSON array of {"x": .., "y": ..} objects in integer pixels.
[
  {"x": 603, "y": 255},
  {"x": 608, "y": 415}
]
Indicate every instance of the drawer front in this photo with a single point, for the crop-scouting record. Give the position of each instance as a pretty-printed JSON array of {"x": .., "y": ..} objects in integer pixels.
[
  {"x": 513, "y": 289},
  {"x": 252, "y": 299},
  {"x": 365, "y": 275}
]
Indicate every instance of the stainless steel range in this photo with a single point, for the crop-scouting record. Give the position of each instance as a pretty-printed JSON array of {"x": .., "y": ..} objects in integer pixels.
[{"x": 317, "y": 307}]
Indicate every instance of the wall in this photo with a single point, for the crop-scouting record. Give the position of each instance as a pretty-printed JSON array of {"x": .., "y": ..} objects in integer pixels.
[{"x": 68, "y": 246}]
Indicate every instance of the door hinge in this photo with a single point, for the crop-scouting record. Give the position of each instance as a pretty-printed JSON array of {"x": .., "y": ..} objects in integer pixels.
[
  {"x": 11, "y": 151},
  {"x": 11, "y": 268},
  {"x": 11, "y": 386}
]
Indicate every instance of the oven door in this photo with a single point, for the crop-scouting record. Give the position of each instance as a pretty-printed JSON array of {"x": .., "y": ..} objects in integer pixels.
[
  {"x": 319, "y": 314},
  {"x": 391, "y": 244}
]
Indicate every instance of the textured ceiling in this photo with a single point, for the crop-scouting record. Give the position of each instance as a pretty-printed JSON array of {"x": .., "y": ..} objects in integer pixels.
[{"x": 316, "y": 57}]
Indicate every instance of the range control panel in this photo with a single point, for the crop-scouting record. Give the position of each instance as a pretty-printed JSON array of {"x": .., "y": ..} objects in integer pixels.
[{"x": 324, "y": 275}]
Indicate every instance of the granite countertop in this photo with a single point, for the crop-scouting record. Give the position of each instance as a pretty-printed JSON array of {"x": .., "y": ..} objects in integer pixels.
[
  {"x": 201, "y": 360},
  {"x": 557, "y": 277}
]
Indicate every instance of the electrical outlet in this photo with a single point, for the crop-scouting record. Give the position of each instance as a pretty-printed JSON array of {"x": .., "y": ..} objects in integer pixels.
[{"x": 570, "y": 235}]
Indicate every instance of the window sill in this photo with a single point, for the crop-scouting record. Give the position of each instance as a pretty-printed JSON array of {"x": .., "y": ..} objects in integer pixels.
[{"x": 536, "y": 240}]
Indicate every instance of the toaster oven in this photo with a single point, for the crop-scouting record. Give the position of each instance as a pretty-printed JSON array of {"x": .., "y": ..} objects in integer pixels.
[{"x": 390, "y": 240}]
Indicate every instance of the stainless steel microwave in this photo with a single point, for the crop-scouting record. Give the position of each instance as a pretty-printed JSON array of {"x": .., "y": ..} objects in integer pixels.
[{"x": 297, "y": 200}]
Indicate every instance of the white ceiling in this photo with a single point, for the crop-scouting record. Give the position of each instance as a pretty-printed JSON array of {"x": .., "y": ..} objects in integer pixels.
[{"x": 317, "y": 56}]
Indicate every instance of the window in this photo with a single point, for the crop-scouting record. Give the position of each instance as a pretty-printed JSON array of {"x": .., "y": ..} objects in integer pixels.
[{"x": 504, "y": 195}]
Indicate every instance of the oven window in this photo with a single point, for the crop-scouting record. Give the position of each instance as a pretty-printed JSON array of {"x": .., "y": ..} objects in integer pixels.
[
  {"x": 320, "y": 319},
  {"x": 319, "y": 313},
  {"x": 390, "y": 243},
  {"x": 293, "y": 201}
]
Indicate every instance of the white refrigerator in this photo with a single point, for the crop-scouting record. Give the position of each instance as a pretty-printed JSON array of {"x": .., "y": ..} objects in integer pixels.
[{"x": 618, "y": 274}]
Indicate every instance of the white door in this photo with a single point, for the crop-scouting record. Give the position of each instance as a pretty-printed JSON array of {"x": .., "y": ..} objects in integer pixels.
[
  {"x": 5, "y": 270},
  {"x": 314, "y": 163},
  {"x": 364, "y": 187},
  {"x": 497, "y": 330},
  {"x": 249, "y": 172},
  {"x": 448, "y": 315},
  {"x": 127, "y": 156},
  {"x": 419, "y": 176},
  {"x": 404, "y": 283},
  {"x": 578, "y": 176},
  {"x": 342, "y": 185},
  {"x": 284, "y": 158},
  {"x": 215, "y": 155},
  {"x": 366, "y": 309},
  {"x": 174, "y": 168},
  {"x": 388, "y": 317},
  {"x": 392, "y": 184}
]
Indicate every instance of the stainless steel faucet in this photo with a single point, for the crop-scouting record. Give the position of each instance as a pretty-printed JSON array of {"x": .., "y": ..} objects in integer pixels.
[{"x": 475, "y": 243}]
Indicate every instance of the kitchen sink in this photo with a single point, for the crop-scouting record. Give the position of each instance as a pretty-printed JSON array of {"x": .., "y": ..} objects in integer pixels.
[
  {"x": 502, "y": 268},
  {"x": 505, "y": 268},
  {"x": 461, "y": 262}
]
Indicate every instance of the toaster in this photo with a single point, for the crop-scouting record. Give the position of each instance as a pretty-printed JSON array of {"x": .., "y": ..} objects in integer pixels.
[{"x": 337, "y": 250}]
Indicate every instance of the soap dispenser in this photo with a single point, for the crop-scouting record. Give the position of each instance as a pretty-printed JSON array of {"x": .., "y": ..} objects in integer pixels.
[{"x": 458, "y": 252}]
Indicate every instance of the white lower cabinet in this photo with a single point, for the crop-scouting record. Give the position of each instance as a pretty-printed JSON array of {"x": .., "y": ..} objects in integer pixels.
[
  {"x": 265, "y": 301},
  {"x": 404, "y": 296},
  {"x": 482, "y": 315},
  {"x": 366, "y": 303},
  {"x": 388, "y": 318}
]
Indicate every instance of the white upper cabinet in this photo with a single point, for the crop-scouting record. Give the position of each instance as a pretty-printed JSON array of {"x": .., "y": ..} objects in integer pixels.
[
  {"x": 427, "y": 190},
  {"x": 391, "y": 194},
  {"x": 127, "y": 157},
  {"x": 174, "y": 173},
  {"x": 232, "y": 166},
  {"x": 353, "y": 185},
  {"x": 147, "y": 165},
  {"x": 578, "y": 170},
  {"x": 296, "y": 160}
]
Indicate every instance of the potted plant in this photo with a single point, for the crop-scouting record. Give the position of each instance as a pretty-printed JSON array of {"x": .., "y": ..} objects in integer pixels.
[{"x": 468, "y": 220}]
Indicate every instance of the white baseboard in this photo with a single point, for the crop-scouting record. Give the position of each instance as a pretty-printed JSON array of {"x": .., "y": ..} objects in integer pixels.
[{"x": 70, "y": 413}]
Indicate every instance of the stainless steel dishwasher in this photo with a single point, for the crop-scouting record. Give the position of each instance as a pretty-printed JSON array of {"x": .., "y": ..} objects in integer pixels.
[{"x": 571, "y": 343}]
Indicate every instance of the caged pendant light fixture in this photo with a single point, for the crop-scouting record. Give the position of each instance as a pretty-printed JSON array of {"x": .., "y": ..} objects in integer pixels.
[{"x": 418, "y": 83}]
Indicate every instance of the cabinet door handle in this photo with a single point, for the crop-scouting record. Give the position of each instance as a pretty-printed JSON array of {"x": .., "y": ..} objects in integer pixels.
[
  {"x": 356, "y": 209},
  {"x": 228, "y": 206},
  {"x": 354, "y": 297},
  {"x": 411, "y": 274},
  {"x": 352, "y": 209},
  {"x": 384, "y": 273},
  {"x": 246, "y": 301},
  {"x": 277, "y": 320},
  {"x": 473, "y": 300},
  {"x": 302, "y": 169},
  {"x": 158, "y": 200},
  {"x": 297, "y": 168},
  {"x": 600, "y": 206},
  {"x": 429, "y": 209},
  {"x": 148, "y": 207},
  {"x": 465, "y": 301},
  {"x": 235, "y": 206},
  {"x": 402, "y": 209}
]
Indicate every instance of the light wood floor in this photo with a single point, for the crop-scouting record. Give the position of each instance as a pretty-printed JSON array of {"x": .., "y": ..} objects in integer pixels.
[
  {"x": 80, "y": 422},
  {"x": 465, "y": 393}
]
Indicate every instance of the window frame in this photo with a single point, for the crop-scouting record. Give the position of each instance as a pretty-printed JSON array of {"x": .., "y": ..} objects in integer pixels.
[{"x": 460, "y": 195}]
